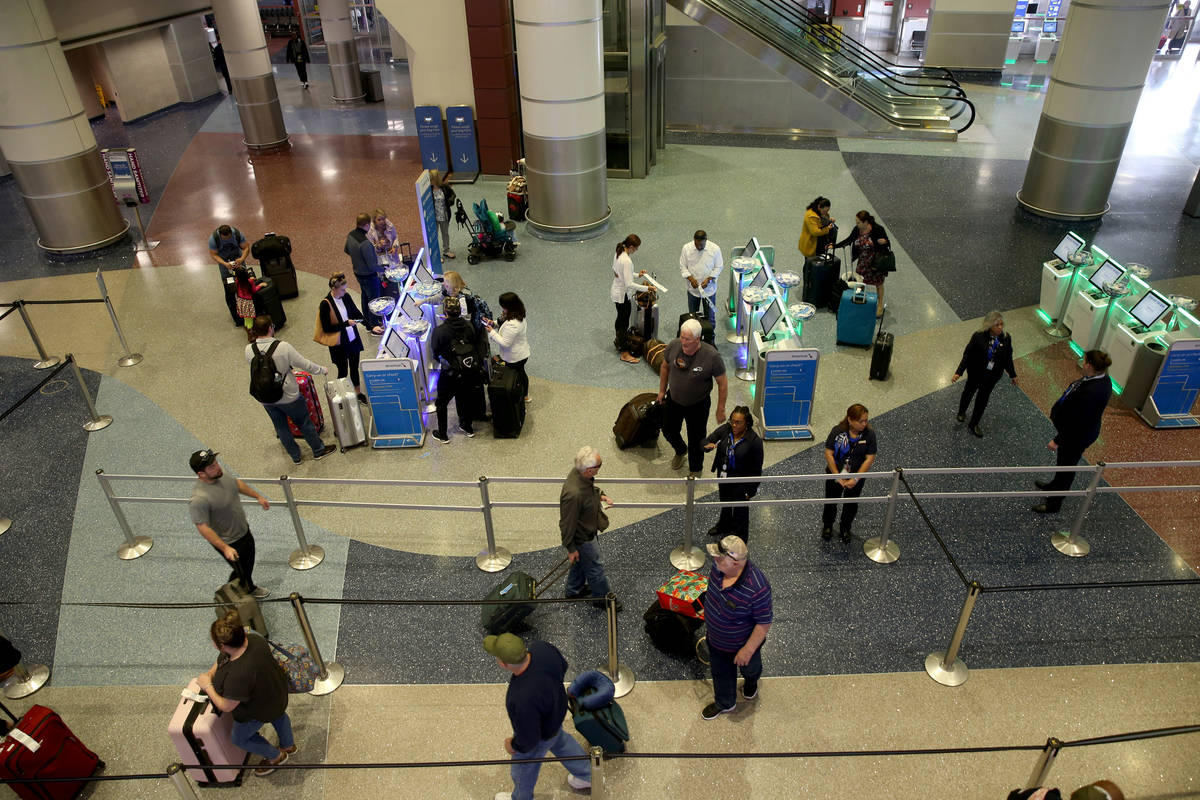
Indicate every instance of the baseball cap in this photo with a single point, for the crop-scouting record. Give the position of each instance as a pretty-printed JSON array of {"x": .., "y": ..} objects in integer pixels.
[
  {"x": 507, "y": 647},
  {"x": 731, "y": 546},
  {"x": 202, "y": 458}
]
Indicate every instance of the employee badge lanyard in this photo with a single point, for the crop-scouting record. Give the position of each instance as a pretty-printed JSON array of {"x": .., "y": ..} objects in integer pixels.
[
  {"x": 729, "y": 458},
  {"x": 993, "y": 346},
  {"x": 842, "y": 448}
]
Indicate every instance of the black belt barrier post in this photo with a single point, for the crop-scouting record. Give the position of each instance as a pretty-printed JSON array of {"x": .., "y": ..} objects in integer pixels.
[
  {"x": 127, "y": 358},
  {"x": 687, "y": 555},
  {"x": 47, "y": 360},
  {"x": 179, "y": 777},
  {"x": 1045, "y": 761},
  {"x": 98, "y": 421},
  {"x": 332, "y": 674},
  {"x": 1072, "y": 543},
  {"x": 946, "y": 667},
  {"x": 621, "y": 674},
  {"x": 133, "y": 546},
  {"x": 24, "y": 681},
  {"x": 5, "y": 524},
  {"x": 599, "y": 792},
  {"x": 307, "y": 555},
  {"x": 881, "y": 549}
]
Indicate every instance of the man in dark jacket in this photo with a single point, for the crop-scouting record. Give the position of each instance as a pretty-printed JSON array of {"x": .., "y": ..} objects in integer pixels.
[
  {"x": 366, "y": 267},
  {"x": 455, "y": 347},
  {"x": 1076, "y": 417},
  {"x": 581, "y": 518},
  {"x": 297, "y": 53}
]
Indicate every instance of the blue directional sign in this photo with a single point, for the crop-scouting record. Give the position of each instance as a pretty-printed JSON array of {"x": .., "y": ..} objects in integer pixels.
[
  {"x": 464, "y": 153},
  {"x": 431, "y": 139},
  {"x": 1172, "y": 401},
  {"x": 429, "y": 229},
  {"x": 391, "y": 386},
  {"x": 788, "y": 385}
]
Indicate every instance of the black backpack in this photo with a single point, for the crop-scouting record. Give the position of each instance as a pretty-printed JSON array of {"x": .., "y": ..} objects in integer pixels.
[
  {"x": 465, "y": 361},
  {"x": 266, "y": 381}
]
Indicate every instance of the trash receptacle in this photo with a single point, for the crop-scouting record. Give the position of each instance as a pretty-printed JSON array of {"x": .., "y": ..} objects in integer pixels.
[{"x": 372, "y": 83}]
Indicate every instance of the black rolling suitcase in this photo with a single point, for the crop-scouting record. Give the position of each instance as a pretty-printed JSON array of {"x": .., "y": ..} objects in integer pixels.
[
  {"x": 639, "y": 421},
  {"x": 267, "y": 301},
  {"x": 881, "y": 354},
  {"x": 819, "y": 274},
  {"x": 707, "y": 333},
  {"x": 509, "y": 611},
  {"x": 506, "y": 393},
  {"x": 274, "y": 254},
  {"x": 671, "y": 632}
]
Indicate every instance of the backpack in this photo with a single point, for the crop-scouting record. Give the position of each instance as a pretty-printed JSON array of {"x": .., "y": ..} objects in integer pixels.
[
  {"x": 266, "y": 381},
  {"x": 482, "y": 311},
  {"x": 464, "y": 360}
]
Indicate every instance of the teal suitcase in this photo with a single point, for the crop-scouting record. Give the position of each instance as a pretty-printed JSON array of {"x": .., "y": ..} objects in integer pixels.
[{"x": 598, "y": 719}]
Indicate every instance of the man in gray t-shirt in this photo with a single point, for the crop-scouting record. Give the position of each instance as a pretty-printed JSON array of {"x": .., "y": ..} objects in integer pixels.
[
  {"x": 689, "y": 368},
  {"x": 216, "y": 511}
]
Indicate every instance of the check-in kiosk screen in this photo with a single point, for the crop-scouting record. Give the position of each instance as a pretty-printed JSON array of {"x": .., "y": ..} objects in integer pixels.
[
  {"x": 1069, "y": 244},
  {"x": 1022, "y": 8},
  {"x": 1031, "y": 10},
  {"x": 394, "y": 345},
  {"x": 1018, "y": 27},
  {"x": 770, "y": 316},
  {"x": 1147, "y": 310},
  {"x": 751, "y": 248},
  {"x": 1108, "y": 273},
  {"x": 1050, "y": 26},
  {"x": 761, "y": 278}
]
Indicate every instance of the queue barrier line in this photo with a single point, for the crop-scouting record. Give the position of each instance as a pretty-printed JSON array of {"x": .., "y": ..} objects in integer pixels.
[{"x": 95, "y": 422}]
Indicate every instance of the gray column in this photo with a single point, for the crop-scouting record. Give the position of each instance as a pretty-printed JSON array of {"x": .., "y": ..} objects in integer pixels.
[
  {"x": 968, "y": 34},
  {"x": 560, "y": 59},
  {"x": 342, "y": 50},
  {"x": 250, "y": 72},
  {"x": 1094, "y": 89},
  {"x": 4, "y": 170},
  {"x": 190, "y": 59},
  {"x": 46, "y": 137}
]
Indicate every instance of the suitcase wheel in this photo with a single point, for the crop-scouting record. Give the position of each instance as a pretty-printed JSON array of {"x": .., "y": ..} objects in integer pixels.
[
  {"x": 472, "y": 258},
  {"x": 510, "y": 256}
]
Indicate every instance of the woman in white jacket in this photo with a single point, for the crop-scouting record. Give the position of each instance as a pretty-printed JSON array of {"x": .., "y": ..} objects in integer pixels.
[
  {"x": 622, "y": 289},
  {"x": 510, "y": 336}
]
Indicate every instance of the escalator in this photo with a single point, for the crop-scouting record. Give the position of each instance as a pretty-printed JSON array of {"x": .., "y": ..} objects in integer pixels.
[{"x": 876, "y": 96}]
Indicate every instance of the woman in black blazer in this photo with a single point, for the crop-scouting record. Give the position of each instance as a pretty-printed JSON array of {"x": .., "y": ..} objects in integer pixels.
[
  {"x": 987, "y": 354},
  {"x": 1076, "y": 417},
  {"x": 739, "y": 454},
  {"x": 339, "y": 315}
]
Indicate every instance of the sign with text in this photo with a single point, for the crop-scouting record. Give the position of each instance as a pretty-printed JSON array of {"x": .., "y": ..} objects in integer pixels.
[
  {"x": 789, "y": 381},
  {"x": 1172, "y": 401},
  {"x": 125, "y": 175},
  {"x": 429, "y": 227},
  {"x": 391, "y": 386},
  {"x": 464, "y": 153},
  {"x": 431, "y": 139}
]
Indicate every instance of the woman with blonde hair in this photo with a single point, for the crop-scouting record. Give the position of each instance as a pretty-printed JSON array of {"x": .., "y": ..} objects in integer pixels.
[
  {"x": 443, "y": 207},
  {"x": 988, "y": 353},
  {"x": 383, "y": 235}
]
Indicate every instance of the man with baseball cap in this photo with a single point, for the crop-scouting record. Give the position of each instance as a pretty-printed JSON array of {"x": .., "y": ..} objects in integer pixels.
[
  {"x": 737, "y": 613},
  {"x": 537, "y": 705},
  {"x": 216, "y": 510}
]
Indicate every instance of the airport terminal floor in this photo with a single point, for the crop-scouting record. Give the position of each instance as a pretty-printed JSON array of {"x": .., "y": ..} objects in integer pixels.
[{"x": 844, "y": 658}]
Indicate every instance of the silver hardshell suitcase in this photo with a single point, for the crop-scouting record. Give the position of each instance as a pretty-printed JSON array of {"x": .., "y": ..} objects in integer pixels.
[{"x": 347, "y": 417}]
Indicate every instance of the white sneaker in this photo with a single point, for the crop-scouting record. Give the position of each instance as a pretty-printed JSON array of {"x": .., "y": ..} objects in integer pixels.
[
  {"x": 503, "y": 796},
  {"x": 578, "y": 783}
]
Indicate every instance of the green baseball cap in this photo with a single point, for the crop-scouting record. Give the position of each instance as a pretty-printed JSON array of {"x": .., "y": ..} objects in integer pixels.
[{"x": 507, "y": 647}]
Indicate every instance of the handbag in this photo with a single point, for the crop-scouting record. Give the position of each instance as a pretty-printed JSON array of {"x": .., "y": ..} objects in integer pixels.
[
  {"x": 885, "y": 261},
  {"x": 321, "y": 336},
  {"x": 298, "y": 665}
]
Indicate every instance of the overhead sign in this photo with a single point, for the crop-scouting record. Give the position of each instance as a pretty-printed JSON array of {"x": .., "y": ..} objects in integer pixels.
[
  {"x": 429, "y": 229},
  {"x": 464, "y": 153},
  {"x": 787, "y": 382},
  {"x": 431, "y": 139},
  {"x": 391, "y": 387}
]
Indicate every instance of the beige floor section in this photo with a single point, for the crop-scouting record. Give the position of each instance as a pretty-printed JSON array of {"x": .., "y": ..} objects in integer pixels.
[{"x": 407, "y": 724}]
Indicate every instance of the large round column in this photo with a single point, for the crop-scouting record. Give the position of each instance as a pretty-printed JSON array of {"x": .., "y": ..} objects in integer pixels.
[
  {"x": 1094, "y": 89},
  {"x": 342, "y": 51},
  {"x": 250, "y": 72},
  {"x": 46, "y": 137},
  {"x": 560, "y": 59}
]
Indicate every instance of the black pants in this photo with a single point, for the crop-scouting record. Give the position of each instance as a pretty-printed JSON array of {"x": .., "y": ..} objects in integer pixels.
[
  {"x": 696, "y": 416},
  {"x": 849, "y": 510},
  {"x": 302, "y": 72},
  {"x": 346, "y": 363},
  {"x": 1067, "y": 455},
  {"x": 451, "y": 386},
  {"x": 735, "y": 520},
  {"x": 519, "y": 368},
  {"x": 244, "y": 567},
  {"x": 981, "y": 388},
  {"x": 623, "y": 311}
]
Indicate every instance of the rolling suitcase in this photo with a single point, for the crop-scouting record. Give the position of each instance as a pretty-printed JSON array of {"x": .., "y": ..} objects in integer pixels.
[
  {"x": 655, "y": 353},
  {"x": 233, "y": 596},
  {"x": 856, "y": 316},
  {"x": 639, "y": 421},
  {"x": 818, "y": 275},
  {"x": 274, "y": 254},
  {"x": 308, "y": 390},
  {"x": 881, "y": 354},
  {"x": 202, "y": 736},
  {"x": 595, "y": 713},
  {"x": 645, "y": 321},
  {"x": 267, "y": 301},
  {"x": 506, "y": 392},
  {"x": 347, "y": 416},
  {"x": 40, "y": 745},
  {"x": 707, "y": 333},
  {"x": 510, "y": 613}
]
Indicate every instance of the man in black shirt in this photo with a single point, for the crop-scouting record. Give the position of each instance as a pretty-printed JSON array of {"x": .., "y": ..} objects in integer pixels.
[
  {"x": 537, "y": 705},
  {"x": 366, "y": 267},
  {"x": 455, "y": 346}
]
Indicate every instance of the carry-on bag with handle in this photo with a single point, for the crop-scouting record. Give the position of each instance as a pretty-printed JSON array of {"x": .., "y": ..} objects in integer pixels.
[
  {"x": 203, "y": 737},
  {"x": 671, "y": 632},
  {"x": 308, "y": 390},
  {"x": 595, "y": 713},
  {"x": 684, "y": 592},
  {"x": 268, "y": 301},
  {"x": 506, "y": 392},
  {"x": 707, "y": 334},
  {"x": 881, "y": 354},
  {"x": 40, "y": 745},
  {"x": 509, "y": 610},
  {"x": 656, "y": 351},
  {"x": 818, "y": 275},
  {"x": 639, "y": 421},
  {"x": 298, "y": 664},
  {"x": 233, "y": 596},
  {"x": 346, "y": 413},
  {"x": 274, "y": 254},
  {"x": 856, "y": 316}
]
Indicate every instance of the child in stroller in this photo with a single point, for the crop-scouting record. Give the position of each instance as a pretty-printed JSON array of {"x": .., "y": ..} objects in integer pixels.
[{"x": 491, "y": 234}]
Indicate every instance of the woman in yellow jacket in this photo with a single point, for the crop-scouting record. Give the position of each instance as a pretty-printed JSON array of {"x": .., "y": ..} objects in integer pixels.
[{"x": 817, "y": 223}]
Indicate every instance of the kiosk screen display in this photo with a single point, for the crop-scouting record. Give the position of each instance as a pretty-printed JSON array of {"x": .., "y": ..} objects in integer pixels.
[
  {"x": 1022, "y": 8},
  {"x": 394, "y": 344},
  {"x": 770, "y": 316},
  {"x": 751, "y": 248},
  {"x": 1108, "y": 273},
  {"x": 1147, "y": 310},
  {"x": 1050, "y": 26},
  {"x": 1018, "y": 27},
  {"x": 1031, "y": 10},
  {"x": 1069, "y": 244},
  {"x": 761, "y": 277}
]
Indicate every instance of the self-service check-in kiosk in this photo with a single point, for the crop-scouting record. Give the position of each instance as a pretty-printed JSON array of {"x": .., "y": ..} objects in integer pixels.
[
  {"x": 756, "y": 255},
  {"x": 1091, "y": 305},
  {"x": 1057, "y": 274},
  {"x": 1131, "y": 342},
  {"x": 1012, "y": 51},
  {"x": 1047, "y": 41},
  {"x": 1171, "y": 401}
]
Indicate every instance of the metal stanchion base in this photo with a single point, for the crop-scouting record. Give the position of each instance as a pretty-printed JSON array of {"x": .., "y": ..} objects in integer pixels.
[
  {"x": 733, "y": 337},
  {"x": 98, "y": 424},
  {"x": 881, "y": 555},
  {"x": 1057, "y": 331},
  {"x": 37, "y": 676},
  {"x": 745, "y": 375},
  {"x": 307, "y": 559},
  {"x": 145, "y": 246},
  {"x": 1068, "y": 546},
  {"x": 141, "y": 545},
  {"x": 687, "y": 559},
  {"x": 623, "y": 680},
  {"x": 52, "y": 361},
  {"x": 956, "y": 675},
  {"x": 129, "y": 360},
  {"x": 493, "y": 563},
  {"x": 334, "y": 675},
  {"x": 5, "y": 524}
]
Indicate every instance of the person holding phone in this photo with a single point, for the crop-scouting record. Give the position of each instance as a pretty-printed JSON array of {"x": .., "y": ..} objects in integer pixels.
[
  {"x": 340, "y": 317},
  {"x": 509, "y": 335}
]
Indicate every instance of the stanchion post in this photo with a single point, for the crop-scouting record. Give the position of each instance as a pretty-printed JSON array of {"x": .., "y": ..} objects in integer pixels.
[
  {"x": 98, "y": 422},
  {"x": 47, "y": 361},
  {"x": 599, "y": 792},
  {"x": 1041, "y": 770},
  {"x": 127, "y": 358},
  {"x": 24, "y": 681},
  {"x": 308, "y": 555},
  {"x": 946, "y": 667},
  {"x": 621, "y": 674},
  {"x": 1072, "y": 543},
  {"x": 332, "y": 674},
  {"x": 134, "y": 546},
  {"x": 493, "y": 559},
  {"x": 881, "y": 549},
  {"x": 179, "y": 778},
  {"x": 687, "y": 555},
  {"x": 5, "y": 524}
]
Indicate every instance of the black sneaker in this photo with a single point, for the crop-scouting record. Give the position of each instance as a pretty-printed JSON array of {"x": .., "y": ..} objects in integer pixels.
[
  {"x": 845, "y": 536},
  {"x": 297, "y": 459},
  {"x": 712, "y": 711},
  {"x": 328, "y": 451},
  {"x": 960, "y": 417},
  {"x": 750, "y": 690},
  {"x": 362, "y": 398},
  {"x": 827, "y": 532},
  {"x": 468, "y": 432},
  {"x": 441, "y": 437},
  {"x": 714, "y": 531},
  {"x": 978, "y": 431}
]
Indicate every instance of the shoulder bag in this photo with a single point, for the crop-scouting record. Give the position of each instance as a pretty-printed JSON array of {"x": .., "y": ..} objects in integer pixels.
[{"x": 321, "y": 336}]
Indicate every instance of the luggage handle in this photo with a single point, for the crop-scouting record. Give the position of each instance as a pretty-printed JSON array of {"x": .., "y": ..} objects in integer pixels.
[{"x": 552, "y": 577}]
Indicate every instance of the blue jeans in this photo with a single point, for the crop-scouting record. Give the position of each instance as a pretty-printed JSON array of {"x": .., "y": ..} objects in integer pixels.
[
  {"x": 588, "y": 571},
  {"x": 371, "y": 288},
  {"x": 246, "y": 736},
  {"x": 297, "y": 410},
  {"x": 562, "y": 745},
  {"x": 724, "y": 675},
  {"x": 710, "y": 307}
]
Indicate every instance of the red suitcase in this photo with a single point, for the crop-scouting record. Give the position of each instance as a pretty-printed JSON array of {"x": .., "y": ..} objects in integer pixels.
[
  {"x": 42, "y": 746},
  {"x": 308, "y": 390}
]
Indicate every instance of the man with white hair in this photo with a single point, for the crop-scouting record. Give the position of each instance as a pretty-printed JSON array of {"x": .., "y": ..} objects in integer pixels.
[
  {"x": 581, "y": 517},
  {"x": 689, "y": 368}
]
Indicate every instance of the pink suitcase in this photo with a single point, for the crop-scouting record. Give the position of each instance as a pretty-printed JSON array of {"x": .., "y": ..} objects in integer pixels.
[
  {"x": 308, "y": 390},
  {"x": 202, "y": 736}
]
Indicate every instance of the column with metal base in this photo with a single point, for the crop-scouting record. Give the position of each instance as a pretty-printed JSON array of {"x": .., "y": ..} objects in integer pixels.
[
  {"x": 46, "y": 360},
  {"x": 945, "y": 666},
  {"x": 1071, "y": 543},
  {"x": 687, "y": 555},
  {"x": 621, "y": 674},
  {"x": 494, "y": 558},
  {"x": 881, "y": 549},
  {"x": 133, "y": 546},
  {"x": 342, "y": 50},
  {"x": 250, "y": 73},
  {"x": 331, "y": 673},
  {"x": 307, "y": 555}
]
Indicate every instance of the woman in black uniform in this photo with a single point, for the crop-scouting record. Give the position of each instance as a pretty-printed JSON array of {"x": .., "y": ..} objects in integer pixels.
[
  {"x": 987, "y": 354},
  {"x": 739, "y": 454},
  {"x": 849, "y": 449}
]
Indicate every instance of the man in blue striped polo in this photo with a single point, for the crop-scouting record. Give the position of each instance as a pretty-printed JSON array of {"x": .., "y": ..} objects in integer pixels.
[{"x": 737, "y": 613}]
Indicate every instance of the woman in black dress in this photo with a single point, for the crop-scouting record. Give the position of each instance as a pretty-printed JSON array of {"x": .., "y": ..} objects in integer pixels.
[
  {"x": 739, "y": 454},
  {"x": 987, "y": 354},
  {"x": 339, "y": 316}
]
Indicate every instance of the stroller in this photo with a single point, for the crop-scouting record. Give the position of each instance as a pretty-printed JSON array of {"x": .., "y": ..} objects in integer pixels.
[{"x": 491, "y": 234}]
